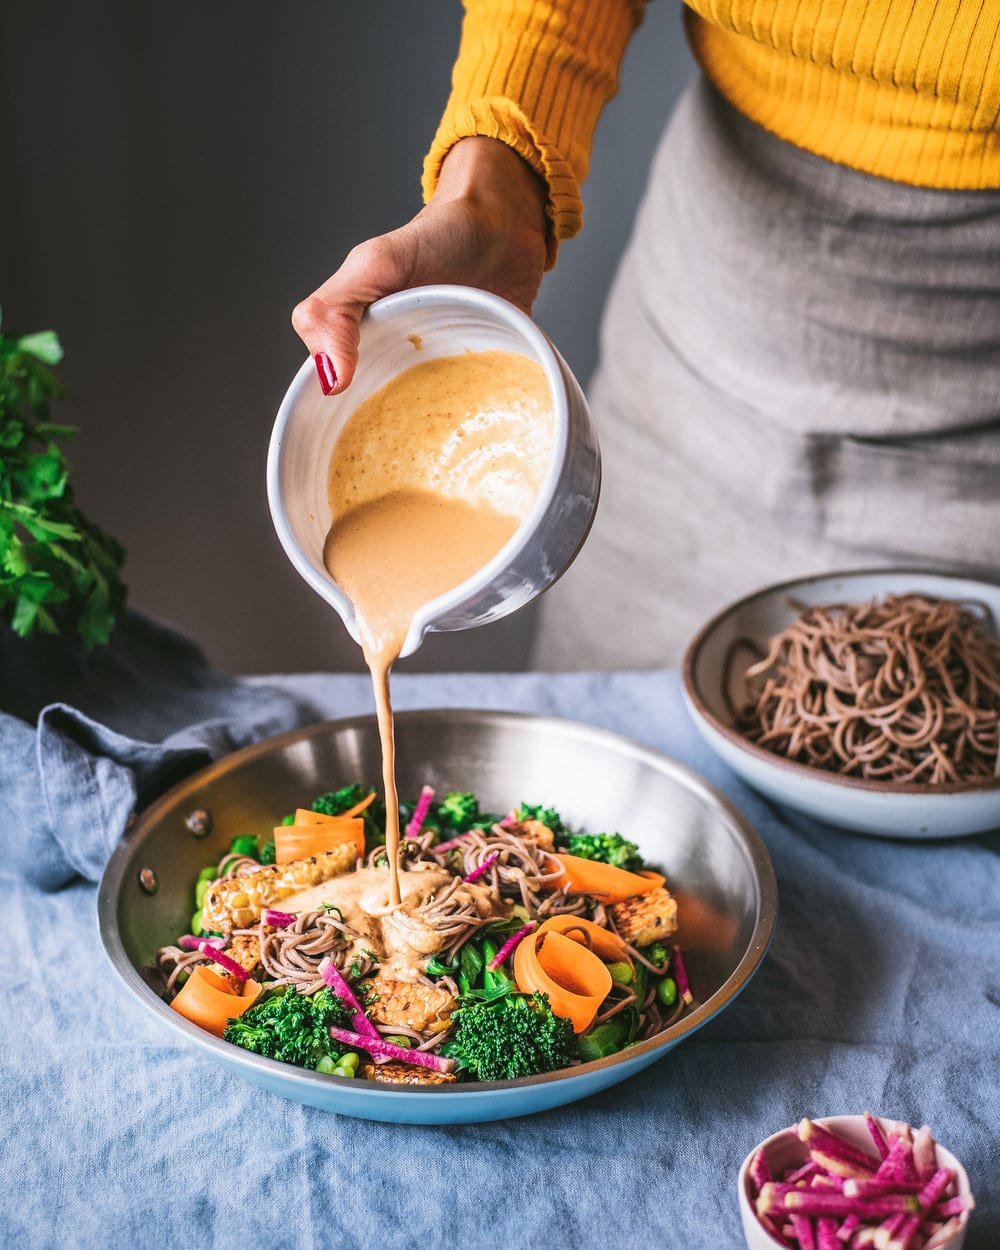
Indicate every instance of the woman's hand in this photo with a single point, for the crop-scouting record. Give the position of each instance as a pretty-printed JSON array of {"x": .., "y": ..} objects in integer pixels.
[{"x": 484, "y": 227}]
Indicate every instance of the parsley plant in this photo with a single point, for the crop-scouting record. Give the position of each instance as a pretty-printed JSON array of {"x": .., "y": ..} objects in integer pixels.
[{"x": 57, "y": 569}]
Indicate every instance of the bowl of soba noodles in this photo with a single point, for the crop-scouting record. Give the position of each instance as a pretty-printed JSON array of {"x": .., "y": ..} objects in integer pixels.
[
  {"x": 567, "y": 907},
  {"x": 869, "y": 699}
]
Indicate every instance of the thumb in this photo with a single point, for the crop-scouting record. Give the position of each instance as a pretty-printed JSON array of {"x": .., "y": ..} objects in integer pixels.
[
  {"x": 331, "y": 330},
  {"x": 329, "y": 320}
]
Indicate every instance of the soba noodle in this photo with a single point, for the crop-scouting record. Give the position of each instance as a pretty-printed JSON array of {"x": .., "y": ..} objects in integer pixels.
[
  {"x": 292, "y": 956},
  {"x": 905, "y": 690},
  {"x": 520, "y": 873}
]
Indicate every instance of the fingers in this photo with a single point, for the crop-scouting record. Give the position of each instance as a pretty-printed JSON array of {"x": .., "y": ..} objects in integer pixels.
[{"x": 329, "y": 320}]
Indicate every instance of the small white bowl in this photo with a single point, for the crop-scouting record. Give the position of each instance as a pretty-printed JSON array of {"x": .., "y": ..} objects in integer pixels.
[
  {"x": 874, "y": 807},
  {"x": 784, "y": 1150},
  {"x": 444, "y": 321}
]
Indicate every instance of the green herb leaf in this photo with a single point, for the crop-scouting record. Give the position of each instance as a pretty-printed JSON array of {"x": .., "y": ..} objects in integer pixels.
[
  {"x": 58, "y": 571},
  {"x": 45, "y": 345},
  {"x": 11, "y": 433}
]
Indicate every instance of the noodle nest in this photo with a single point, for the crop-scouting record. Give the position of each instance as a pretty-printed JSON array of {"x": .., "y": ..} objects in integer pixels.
[{"x": 902, "y": 691}]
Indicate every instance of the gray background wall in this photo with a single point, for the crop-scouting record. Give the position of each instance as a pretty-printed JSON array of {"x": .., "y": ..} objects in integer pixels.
[{"x": 173, "y": 178}]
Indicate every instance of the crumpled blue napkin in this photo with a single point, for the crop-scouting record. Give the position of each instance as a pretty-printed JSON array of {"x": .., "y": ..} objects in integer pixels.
[{"x": 86, "y": 739}]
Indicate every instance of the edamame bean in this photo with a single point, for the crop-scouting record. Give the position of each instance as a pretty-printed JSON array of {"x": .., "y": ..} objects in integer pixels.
[
  {"x": 621, "y": 972},
  {"x": 666, "y": 991}
]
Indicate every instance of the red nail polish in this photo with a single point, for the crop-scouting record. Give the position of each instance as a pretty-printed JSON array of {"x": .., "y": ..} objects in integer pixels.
[{"x": 327, "y": 373}]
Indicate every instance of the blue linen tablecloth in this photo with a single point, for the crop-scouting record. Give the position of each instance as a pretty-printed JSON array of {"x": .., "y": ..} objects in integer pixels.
[{"x": 881, "y": 991}]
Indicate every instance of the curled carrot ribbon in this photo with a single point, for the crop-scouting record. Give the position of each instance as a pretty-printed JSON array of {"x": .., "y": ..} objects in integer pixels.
[
  {"x": 209, "y": 1001},
  {"x": 573, "y": 977}
]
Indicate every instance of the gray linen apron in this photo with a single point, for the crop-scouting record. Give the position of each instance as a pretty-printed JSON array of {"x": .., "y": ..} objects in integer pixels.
[{"x": 800, "y": 373}]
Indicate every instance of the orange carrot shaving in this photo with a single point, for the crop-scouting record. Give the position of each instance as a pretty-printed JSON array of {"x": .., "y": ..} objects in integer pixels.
[
  {"x": 358, "y": 808},
  {"x": 605, "y": 944},
  {"x": 208, "y": 1000},
  {"x": 301, "y": 840},
  {"x": 309, "y": 817},
  {"x": 547, "y": 962},
  {"x": 603, "y": 881}
]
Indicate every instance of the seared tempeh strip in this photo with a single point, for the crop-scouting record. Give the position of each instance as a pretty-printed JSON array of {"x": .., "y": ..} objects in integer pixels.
[
  {"x": 236, "y": 902},
  {"x": 398, "y": 1073},
  {"x": 408, "y": 1004},
  {"x": 646, "y": 918},
  {"x": 244, "y": 949}
]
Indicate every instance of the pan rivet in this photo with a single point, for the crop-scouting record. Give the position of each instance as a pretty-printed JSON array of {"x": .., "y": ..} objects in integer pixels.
[
  {"x": 148, "y": 881},
  {"x": 200, "y": 823}
]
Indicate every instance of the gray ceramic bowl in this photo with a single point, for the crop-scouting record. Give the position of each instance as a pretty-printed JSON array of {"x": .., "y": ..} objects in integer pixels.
[
  {"x": 714, "y": 862},
  {"x": 893, "y": 811}
]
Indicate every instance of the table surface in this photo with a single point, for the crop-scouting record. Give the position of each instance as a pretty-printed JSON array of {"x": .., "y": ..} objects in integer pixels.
[{"x": 881, "y": 991}]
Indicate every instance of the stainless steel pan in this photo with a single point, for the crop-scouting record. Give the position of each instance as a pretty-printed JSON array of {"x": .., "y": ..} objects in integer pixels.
[{"x": 714, "y": 862}]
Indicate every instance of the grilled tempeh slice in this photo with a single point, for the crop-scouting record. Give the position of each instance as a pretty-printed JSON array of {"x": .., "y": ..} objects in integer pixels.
[
  {"x": 408, "y": 1004},
  {"x": 244, "y": 949},
  {"x": 646, "y": 918},
  {"x": 398, "y": 1073},
  {"x": 236, "y": 902}
]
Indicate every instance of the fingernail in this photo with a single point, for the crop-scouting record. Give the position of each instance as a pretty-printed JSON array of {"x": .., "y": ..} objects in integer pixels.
[{"x": 327, "y": 373}]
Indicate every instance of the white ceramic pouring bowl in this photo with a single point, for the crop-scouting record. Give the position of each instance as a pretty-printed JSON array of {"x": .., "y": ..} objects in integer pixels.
[{"x": 444, "y": 321}]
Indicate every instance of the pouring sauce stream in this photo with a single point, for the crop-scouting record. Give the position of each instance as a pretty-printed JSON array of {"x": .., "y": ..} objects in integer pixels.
[{"x": 431, "y": 476}]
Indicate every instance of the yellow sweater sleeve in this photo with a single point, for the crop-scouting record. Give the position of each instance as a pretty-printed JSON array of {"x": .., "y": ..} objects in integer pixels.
[
  {"x": 903, "y": 89},
  {"x": 536, "y": 74}
]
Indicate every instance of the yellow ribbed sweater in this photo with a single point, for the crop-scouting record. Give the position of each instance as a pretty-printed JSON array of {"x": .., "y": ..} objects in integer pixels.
[{"x": 905, "y": 89}]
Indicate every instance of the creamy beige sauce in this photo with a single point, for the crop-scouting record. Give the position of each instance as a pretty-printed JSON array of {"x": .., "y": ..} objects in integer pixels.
[
  {"x": 476, "y": 427},
  {"x": 430, "y": 477},
  {"x": 401, "y": 938}
]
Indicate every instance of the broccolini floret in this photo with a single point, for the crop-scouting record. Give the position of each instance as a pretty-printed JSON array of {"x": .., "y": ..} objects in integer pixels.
[
  {"x": 291, "y": 1027},
  {"x": 336, "y": 801},
  {"x": 609, "y": 848},
  {"x": 657, "y": 954},
  {"x": 513, "y": 1036},
  {"x": 458, "y": 813},
  {"x": 548, "y": 817}
]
